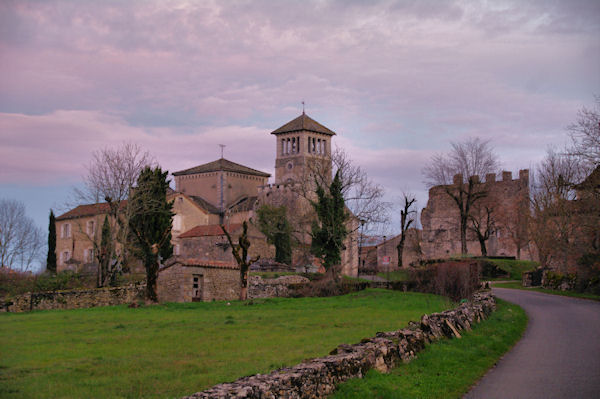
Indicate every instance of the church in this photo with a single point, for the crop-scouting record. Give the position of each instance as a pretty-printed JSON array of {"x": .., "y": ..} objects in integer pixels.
[{"x": 225, "y": 192}]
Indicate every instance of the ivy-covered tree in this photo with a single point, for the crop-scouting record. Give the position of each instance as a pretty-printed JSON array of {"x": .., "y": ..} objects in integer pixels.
[
  {"x": 329, "y": 230},
  {"x": 105, "y": 254},
  {"x": 51, "y": 258},
  {"x": 273, "y": 223},
  {"x": 150, "y": 224}
]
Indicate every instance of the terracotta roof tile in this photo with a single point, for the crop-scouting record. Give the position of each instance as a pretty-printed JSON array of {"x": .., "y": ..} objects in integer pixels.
[
  {"x": 303, "y": 122},
  {"x": 217, "y": 264},
  {"x": 88, "y": 210},
  {"x": 210, "y": 230},
  {"x": 221, "y": 165}
]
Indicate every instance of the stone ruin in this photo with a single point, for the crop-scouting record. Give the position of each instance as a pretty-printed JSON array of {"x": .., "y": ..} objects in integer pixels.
[{"x": 318, "y": 378}]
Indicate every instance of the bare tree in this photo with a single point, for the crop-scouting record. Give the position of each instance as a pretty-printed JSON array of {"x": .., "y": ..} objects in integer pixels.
[
  {"x": 585, "y": 136},
  {"x": 407, "y": 217},
  {"x": 242, "y": 258},
  {"x": 361, "y": 195},
  {"x": 483, "y": 225},
  {"x": 21, "y": 242},
  {"x": 554, "y": 220},
  {"x": 466, "y": 160},
  {"x": 111, "y": 174}
]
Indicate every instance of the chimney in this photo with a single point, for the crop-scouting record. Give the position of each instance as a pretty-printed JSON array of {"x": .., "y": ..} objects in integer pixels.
[{"x": 458, "y": 179}]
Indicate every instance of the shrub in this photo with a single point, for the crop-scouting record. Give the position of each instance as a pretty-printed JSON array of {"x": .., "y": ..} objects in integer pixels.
[{"x": 454, "y": 279}]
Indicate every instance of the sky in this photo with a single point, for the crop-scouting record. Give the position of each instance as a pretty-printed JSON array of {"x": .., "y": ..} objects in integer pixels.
[{"x": 397, "y": 80}]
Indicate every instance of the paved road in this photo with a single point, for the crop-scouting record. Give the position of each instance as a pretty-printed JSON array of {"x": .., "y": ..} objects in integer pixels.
[{"x": 558, "y": 356}]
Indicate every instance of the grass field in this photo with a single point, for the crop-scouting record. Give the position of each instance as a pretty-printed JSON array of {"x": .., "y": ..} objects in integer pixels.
[
  {"x": 448, "y": 368},
  {"x": 176, "y": 349},
  {"x": 514, "y": 268},
  {"x": 518, "y": 285}
]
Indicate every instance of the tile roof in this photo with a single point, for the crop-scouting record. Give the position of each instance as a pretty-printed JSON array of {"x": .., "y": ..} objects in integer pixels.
[
  {"x": 221, "y": 165},
  {"x": 303, "y": 122},
  {"x": 204, "y": 204},
  {"x": 217, "y": 264},
  {"x": 88, "y": 210},
  {"x": 210, "y": 230},
  {"x": 244, "y": 204}
]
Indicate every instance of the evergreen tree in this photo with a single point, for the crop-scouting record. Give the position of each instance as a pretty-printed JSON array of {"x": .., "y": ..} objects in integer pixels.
[
  {"x": 51, "y": 259},
  {"x": 329, "y": 231},
  {"x": 273, "y": 223},
  {"x": 150, "y": 224}
]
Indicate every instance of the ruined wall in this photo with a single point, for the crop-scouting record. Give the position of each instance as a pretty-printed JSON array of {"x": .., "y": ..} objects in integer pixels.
[
  {"x": 507, "y": 198},
  {"x": 284, "y": 286},
  {"x": 75, "y": 299},
  {"x": 317, "y": 378}
]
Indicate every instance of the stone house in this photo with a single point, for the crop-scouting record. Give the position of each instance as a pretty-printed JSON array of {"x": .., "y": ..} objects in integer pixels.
[
  {"x": 383, "y": 256},
  {"x": 196, "y": 280},
  {"x": 76, "y": 233},
  {"x": 509, "y": 201}
]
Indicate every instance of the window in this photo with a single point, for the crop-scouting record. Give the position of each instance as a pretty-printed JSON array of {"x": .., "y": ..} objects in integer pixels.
[
  {"x": 176, "y": 249},
  {"x": 88, "y": 255},
  {"x": 66, "y": 230},
  {"x": 91, "y": 228}
]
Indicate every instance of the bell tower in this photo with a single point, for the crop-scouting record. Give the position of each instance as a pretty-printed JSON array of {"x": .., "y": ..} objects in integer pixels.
[{"x": 299, "y": 143}]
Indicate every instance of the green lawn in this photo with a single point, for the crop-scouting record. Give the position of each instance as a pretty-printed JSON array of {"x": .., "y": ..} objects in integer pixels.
[
  {"x": 518, "y": 285},
  {"x": 176, "y": 349},
  {"x": 514, "y": 268},
  {"x": 396, "y": 275},
  {"x": 448, "y": 368}
]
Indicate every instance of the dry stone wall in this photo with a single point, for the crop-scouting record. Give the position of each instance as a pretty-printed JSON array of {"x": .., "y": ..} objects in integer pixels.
[
  {"x": 317, "y": 378},
  {"x": 284, "y": 286},
  {"x": 74, "y": 299}
]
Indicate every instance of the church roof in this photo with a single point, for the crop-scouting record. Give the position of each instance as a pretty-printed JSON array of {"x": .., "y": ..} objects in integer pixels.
[
  {"x": 303, "y": 122},
  {"x": 221, "y": 165}
]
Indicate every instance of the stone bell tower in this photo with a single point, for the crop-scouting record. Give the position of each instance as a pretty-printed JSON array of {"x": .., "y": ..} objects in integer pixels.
[{"x": 300, "y": 143}]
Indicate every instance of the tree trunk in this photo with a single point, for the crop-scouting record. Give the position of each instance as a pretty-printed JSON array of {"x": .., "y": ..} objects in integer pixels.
[
  {"x": 483, "y": 248},
  {"x": 400, "y": 249},
  {"x": 243, "y": 285},
  {"x": 463, "y": 234},
  {"x": 151, "y": 280}
]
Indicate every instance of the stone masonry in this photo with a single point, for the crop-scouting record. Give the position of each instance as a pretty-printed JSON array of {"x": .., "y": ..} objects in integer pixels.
[
  {"x": 318, "y": 378},
  {"x": 507, "y": 198}
]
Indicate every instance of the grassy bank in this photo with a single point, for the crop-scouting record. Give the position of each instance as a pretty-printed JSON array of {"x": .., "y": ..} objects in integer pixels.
[
  {"x": 518, "y": 285},
  {"x": 448, "y": 368},
  {"x": 514, "y": 268},
  {"x": 176, "y": 349}
]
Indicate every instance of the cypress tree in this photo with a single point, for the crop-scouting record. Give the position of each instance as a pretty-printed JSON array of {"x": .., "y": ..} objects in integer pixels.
[
  {"x": 150, "y": 224},
  {"x": 51, "y": 259},
  {"x": 329, "y": 231}
]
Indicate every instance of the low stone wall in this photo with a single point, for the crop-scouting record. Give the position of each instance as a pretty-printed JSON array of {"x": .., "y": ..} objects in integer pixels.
[
  {"x": 318, "y": 378},
  {"x": 74, "y": 299},
  {"x": 283, "y": 286}
]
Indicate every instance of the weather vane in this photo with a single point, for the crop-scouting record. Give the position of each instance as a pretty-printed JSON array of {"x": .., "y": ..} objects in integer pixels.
[{"x": 222, "y": 147}]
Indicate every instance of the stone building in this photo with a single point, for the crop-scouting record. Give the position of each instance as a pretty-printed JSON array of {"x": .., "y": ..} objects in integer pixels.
[
  {"x": 76, "y": 232},
  {"x": 508, "y": 201},
  {"x": 383, "y": 256}
]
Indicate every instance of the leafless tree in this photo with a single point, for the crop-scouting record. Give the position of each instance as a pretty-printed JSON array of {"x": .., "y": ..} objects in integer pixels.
[
  {"x": 482, "y": 225},
  {"x": 242, "y": 259},
  {"x": 111, "y": 174},
  {"x": 362, "y": 195},
  {"x": 407, "y": 217},
  {"x": 470, "y": 158},
  {"x": 585, "y": 136},
  {"x": 21, "y": 242},
  {"x": 554, "y": 220}
]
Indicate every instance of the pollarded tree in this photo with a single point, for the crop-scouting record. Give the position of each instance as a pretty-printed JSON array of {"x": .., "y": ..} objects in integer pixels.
[
  {"x": 242, "y": 258},
  {"x": 482, "y": 225},
  {"x": 407, "y": 217},
  {"x": 51, "y": 258},
  {"x": 329, "y": 230},
  {"x": 473, "y": 157},
  {"x": 273, "y": 223},
  {"x": 150, "y": 224}
]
